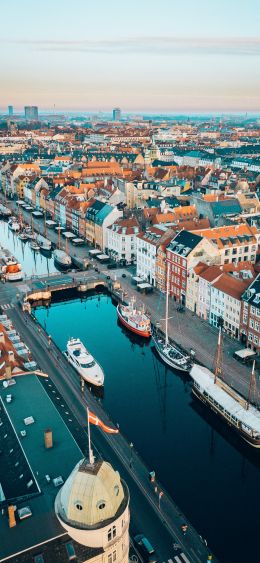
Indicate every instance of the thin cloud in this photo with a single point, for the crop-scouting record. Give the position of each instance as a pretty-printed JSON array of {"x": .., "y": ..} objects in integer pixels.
[{"x": 247, "y": 46}]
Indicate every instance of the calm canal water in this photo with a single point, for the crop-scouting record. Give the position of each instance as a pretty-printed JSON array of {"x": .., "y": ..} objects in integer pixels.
[
  {"x": 211, "y": 475},
  {"x": 32, "y": 262}
]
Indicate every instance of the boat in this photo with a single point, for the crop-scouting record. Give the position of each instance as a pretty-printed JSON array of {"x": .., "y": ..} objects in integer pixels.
[
  {"x": 10, "y": 268},
  {"x": 34, "y": 245},
  {"x": 62, "y": 258},
  {"x": 4, "y": 211},
  {"x": 44, "y": 243},
  {"x": 134, "y": 319},
  {"x": 23, "y": 236},
  {"x": 14, "y": 225},
  {"x": 236, "y": 411},
  {"x": 84, "y": 363},
  {"x": 170, "y": 354}
]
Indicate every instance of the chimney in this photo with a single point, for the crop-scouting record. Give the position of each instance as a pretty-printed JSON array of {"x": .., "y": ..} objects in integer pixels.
[
  {"x": 8, "y": 371},
  {"x": 48, "y": 440},
  {"x": 10, "y": 356}
]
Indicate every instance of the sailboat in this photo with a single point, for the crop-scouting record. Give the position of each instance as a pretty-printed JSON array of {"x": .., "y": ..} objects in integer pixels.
[
  {"x": 44, "y": 243},
  {"x": 171, "y": 354},
  {"x": 34, "y": 244},
  {"x": 238, "y": 412},
  {"x": 61, "y": 258}
]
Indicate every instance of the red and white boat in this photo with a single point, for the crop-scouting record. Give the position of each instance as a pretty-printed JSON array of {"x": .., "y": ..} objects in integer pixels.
[{"x": 134, "y": 319}]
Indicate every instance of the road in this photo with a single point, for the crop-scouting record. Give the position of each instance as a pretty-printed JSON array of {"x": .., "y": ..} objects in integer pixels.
[{"x": 162, "y": 524}]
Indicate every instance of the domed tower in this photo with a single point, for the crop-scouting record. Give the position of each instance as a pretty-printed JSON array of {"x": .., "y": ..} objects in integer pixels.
[{"x": 93, "y": 507}]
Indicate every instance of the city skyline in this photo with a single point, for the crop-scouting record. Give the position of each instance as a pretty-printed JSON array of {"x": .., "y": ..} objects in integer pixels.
[{"x": 179, "y": 58}]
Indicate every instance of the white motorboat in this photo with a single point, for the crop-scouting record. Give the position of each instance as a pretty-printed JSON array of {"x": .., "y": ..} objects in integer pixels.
[
  {"x": 62, "y": 258},
  {"x": 84, "y": 363},
  {"x": 14, "y": 225}
]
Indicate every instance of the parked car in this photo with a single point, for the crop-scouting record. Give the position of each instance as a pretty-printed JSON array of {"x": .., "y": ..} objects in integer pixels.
[{"x": 146, "y": 549}]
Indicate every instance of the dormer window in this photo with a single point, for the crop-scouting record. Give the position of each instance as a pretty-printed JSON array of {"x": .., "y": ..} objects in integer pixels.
[{"x": 78, "y": 505}]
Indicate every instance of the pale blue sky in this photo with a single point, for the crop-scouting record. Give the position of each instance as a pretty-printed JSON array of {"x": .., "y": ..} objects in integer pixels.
[{"x": 147, "y": 55}]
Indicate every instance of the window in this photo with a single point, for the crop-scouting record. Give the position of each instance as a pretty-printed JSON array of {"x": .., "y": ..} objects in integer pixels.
[
  {"x": 250, "y": 337},
  {"x": 114, "y": 555},
  {"x": 110, "y": 558},
  {"x": 70, "y": 550},
  {"x": 101, "y": 504},
  {"x": 257, "y": 326},
  {"x": 251, "y": 323},
  {"x": 255, "y": 340},
  {"x": 111, "y": 533},
  {"x": 253, "y": 310},
  {"x": 79, "y": 506}
]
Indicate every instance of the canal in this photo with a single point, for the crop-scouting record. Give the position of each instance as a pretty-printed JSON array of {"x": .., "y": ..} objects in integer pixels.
[
  {"x": 32, "y": 262},
  {"x": 209, "y": 472}
]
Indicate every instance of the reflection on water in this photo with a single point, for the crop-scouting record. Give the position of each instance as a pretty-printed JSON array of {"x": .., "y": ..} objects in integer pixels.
[
  {"x": 211, "y": 474},
  {"x": 32, "y": 262}
]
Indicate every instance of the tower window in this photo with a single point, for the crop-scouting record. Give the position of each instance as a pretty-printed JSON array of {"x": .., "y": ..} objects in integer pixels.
[
  {"x": 101, "y": 504},
  {"x": 78, "y": 506},
  {"x": 116, "y": 490}
]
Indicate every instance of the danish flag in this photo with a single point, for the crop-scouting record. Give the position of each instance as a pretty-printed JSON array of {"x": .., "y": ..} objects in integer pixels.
[{"x": 93, "y": 419}]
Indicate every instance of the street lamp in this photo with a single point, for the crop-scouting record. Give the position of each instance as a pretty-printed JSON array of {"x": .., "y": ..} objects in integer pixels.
[{"x": 131, "y": 453}]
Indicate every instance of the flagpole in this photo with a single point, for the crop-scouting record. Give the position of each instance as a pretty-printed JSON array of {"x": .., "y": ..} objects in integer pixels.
[{"x": 90, "y": 452}]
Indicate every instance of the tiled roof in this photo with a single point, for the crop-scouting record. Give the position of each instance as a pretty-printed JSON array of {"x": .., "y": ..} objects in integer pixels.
[
  {"x": 230, "y": 285},
  {"x": 230, "y": 235}
]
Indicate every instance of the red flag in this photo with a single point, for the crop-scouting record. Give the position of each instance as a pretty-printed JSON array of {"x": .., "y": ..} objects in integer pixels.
[{"x": 93, "y": 419}]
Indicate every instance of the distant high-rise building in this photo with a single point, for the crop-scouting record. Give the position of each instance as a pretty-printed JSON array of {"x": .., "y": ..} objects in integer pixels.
[
  {"x": 31, "y": 113},
  {"x": 10, "y": 110},
  {"x": 116, "y": 114}
]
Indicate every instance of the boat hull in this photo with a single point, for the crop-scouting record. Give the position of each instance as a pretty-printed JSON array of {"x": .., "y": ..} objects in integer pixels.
[
  {"x": 88, "y": 378},
  {"x": 249, "y": 439},
  {"x": 168, "y": 361},
  {"x": 143, "y": 333}
]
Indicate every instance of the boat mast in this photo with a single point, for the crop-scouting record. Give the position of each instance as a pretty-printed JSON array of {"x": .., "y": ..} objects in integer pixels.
[
  {"x": 45, "y": 226},
  {"x": 59, "y": 237},
  {"x": 90, "y": 451},
  {"x": 218, "y": 368},
  {"x": 252, "y": 385},
  {"x": 167, "y": 303}
]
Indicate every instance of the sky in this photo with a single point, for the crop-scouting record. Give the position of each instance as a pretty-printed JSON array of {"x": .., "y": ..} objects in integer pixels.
[{"x": 162, "y": 56}]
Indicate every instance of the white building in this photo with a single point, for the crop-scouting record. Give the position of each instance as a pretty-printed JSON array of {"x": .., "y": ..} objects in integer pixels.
[
  {"x": 225, "y": 302},
  {"x": 93, "y": 507},
  {"x": 205, "y": 279},
  {"x": 121, "y": 240},
  {"x": 146, "y": 251}
]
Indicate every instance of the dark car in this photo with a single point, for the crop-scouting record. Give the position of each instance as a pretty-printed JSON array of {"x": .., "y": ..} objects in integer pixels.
[{"x": 146, "y": 549}]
